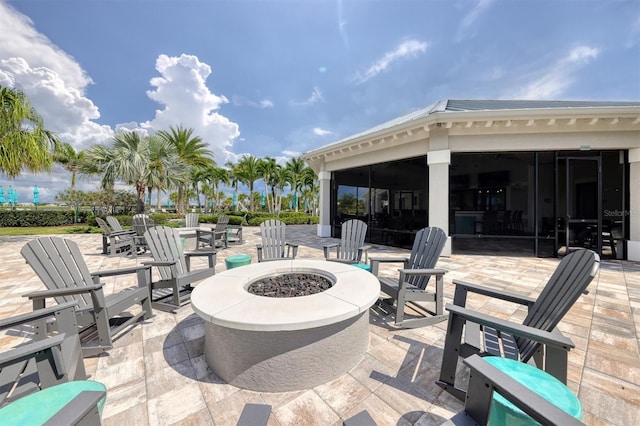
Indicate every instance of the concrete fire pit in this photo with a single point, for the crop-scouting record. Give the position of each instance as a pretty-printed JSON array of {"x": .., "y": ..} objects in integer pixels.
[{"x": 283, "y": 344}]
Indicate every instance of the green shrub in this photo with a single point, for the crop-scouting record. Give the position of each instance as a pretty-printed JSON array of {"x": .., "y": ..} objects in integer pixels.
[{"x": 28, "y": 218}]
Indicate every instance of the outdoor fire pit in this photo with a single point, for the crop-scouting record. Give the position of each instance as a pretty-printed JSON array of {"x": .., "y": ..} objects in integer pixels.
[{"x": 315, "y": 330}]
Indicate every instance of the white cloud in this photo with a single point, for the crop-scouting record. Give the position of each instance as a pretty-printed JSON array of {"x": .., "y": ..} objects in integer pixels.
[
  {"x": 471, "y": 17},
  {"x": 315, "y": 97},
  {"x": 321, "y": 132},
  {"x": 53, "y": 81},
  {"x": 182, "y": 91},
  {"x": 242, "y": 101},
  {"x": 554, "y": 80},
  {"x": 408, "y": 48},
  {"x": 342, "y": 25}
]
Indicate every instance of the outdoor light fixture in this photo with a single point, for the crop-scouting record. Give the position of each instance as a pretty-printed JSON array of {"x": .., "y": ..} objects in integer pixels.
[{"x": 585, "y": 147}]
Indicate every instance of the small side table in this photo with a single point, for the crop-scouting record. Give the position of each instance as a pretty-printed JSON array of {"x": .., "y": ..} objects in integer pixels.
[
  {"x": 237, "y": 260},
  {"x": 553, "y": 390}
]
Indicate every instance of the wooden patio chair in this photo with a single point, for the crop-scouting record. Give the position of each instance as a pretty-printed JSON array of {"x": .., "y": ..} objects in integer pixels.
[
  {"x": 535, "y": 341},
  {"x": 44, "y": 381},
  {"x": 215, "y": 237},
  {"x": 61, "y": 267},
  {"x": 174, "y": 267},
  {"x": 411, "y": 285},
  {"x": 115, "y": 242},
  {"x": 274, "y": 245},
  {"x": 351, "y": 248}
]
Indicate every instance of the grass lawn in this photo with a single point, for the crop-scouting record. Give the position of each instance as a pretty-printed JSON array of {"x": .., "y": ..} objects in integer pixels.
[{"x": 47, "y": 230}]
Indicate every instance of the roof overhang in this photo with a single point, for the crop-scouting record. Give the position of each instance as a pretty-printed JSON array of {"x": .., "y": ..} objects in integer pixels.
[{"x": 474, "y": 122}]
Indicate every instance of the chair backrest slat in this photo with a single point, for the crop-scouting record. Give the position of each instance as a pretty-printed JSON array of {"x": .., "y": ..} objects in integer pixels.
[
  {"x": 352, "y": 238},
  {"x": 114, "y": 223},
  {"x": 59, "y": 265},
  {"x": 273, "y": 234},
  {"x": 570, "y": 279},
  {"x": 141, "y": 223},
  {"x": 191, "y": 220},
  {"x": 222, "y": 223},
  {"x": 165, "y": 245},
  {"x": 427, "y": 247}
]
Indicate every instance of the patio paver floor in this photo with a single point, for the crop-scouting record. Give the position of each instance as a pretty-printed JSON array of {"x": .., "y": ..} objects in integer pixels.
[{"x": 157, "y": 375}]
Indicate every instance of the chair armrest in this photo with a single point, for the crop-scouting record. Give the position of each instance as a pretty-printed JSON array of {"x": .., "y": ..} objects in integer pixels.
[
  {"x": 292, "y": 246},
  {"x": 121, "y": 271},
  {"x": 327, "y": 247},
  {"x": 540, "y": 336},
  {"x": 364, "y": 250},
  {"x": 159, "y": 262},
  {"x": 43, "y": 294},
  {"x": 462, "y": 288},
  {"x": 82, "y": 409},
  {"x": 28, "y": 351},
  {"x": 28, "y": 317},
  {"x": 200, "y": 253},
  {"x": 121, "y": 233},
  {"x": 422, "y": 271},
  {"x": 484, "y": 375},
  {"x": 376, "y": 261}
]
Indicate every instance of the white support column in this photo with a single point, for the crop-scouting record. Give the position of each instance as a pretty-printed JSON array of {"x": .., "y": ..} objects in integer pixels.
[
  {"x": 438, "y": 162},
  {"x": 633, "y": 246},
  {"x": 324, "y": 226}
]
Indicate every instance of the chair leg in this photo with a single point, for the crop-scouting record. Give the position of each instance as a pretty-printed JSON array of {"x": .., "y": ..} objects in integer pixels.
[
  {"x": 400, "y": 302},
  {"x": 450, "y": 356}
]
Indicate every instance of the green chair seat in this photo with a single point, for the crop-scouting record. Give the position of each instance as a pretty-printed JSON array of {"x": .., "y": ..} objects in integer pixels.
[
  {"x": 38, "y": 407},
  {"x": 553, "y": 390},
  {"x": 237, "y": 260}
]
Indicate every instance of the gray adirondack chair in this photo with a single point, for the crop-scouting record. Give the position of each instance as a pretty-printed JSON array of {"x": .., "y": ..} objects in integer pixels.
[
  {"x": 173, "y": 289},
  {"x": 140, "y": 223},
  {"x": 114, "y": 242},
  {"x": 61, "y": 267},
  {"x": 216, "y": 237},
  {"x": 351, "y": 248},
  {"x": 47, "y": 359},
  {"x": 47, "y": 363},
  {"x": 274, "y": 245},
  {"x": 411, "y": 285},
  {"x": 536, "y": 340},
  {"x": 114, "y": 223},
  {"x": 191, "y": 220}
]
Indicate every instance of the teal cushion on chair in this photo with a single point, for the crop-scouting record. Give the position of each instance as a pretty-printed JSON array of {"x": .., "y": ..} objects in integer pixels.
[
  {"x": 40, "y": 406},
  {"x": 539, "y": 381}
]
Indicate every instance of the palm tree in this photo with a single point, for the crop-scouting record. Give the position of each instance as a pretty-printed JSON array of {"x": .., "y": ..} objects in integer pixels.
[
  {"x": 70, "y": 159},
  {"x": 268, "y": 169},
  {"x": 166, "y": 170},
  {"x": 192, "y": 150},
  {"x": 295, "y": 167},
  {"x": 25, "y": 143},
  {"x": 214, "y": 177},
  {"x": 234, "y": 178},
  {"x": 310, "y": 185},
  {"x": 248, "y": 172},
  {"x": 126, "y": 160}
]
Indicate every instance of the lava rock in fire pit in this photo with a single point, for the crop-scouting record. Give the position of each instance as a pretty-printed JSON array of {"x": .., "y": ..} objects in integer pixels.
[{"x": 290, "y": 285}]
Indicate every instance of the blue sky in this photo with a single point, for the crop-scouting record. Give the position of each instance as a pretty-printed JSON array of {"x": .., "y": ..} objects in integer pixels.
[{"x": 279, "y": 78}]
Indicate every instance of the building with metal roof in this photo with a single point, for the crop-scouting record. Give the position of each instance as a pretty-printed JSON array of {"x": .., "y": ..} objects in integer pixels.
[{"x": 532, "y": 176}]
